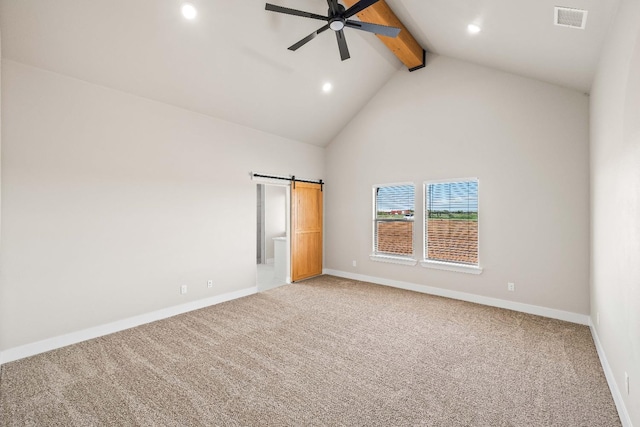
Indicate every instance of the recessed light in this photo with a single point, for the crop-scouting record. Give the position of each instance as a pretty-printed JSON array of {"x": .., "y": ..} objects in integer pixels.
[
  {"x": 327, "y": 87},
  {"x": 189, "y": 11},
  {"x": 473, "y": 29}
]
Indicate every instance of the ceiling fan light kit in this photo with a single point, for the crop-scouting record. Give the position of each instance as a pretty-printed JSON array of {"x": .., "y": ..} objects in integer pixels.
[
  {"x": 337, "y": 19},
  {"x": 336, "y": 24}
]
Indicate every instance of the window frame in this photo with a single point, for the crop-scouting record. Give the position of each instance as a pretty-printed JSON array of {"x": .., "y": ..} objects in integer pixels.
[
  {"x": 447, "y": 265},
  {"x": 386, "y": 256}
]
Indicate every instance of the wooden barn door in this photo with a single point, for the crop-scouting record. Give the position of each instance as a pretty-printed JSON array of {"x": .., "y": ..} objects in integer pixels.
[{"x": 306, "y": 230}]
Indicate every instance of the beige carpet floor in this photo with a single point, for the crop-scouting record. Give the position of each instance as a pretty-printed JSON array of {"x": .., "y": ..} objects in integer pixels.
[{"x": 327, "y": 351}]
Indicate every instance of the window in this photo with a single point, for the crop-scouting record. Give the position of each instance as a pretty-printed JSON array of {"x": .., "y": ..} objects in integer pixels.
[
  {"x": 451, "y": 225},
  {"x": 394, "y": 208}
]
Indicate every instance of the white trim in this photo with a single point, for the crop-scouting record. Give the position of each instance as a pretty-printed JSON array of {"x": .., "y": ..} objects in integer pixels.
[
  {"x": 120, "y": 325},
  {"x": 611, "y": 380},
  {"x": 552, "y": 313},
  {"x": 395, "y": 184},
  {"x": 393, "y": 259},
  {"x": 447, "y": 180},
  {"x": 451, "y": 266},
  {"x": 263, "y": 225},
  {"x": 287, "y": 221}
]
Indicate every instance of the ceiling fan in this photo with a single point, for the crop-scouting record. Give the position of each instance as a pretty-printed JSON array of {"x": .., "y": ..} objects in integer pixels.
[{"x": 337, "y": 20}]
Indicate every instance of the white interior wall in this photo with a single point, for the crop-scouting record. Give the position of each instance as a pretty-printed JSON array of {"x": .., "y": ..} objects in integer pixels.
[
  {"x": 527, "y": 143},
  {"x": 1, "y": 132},
  {"x": 85, "y": 168},
  {"x": 112, "y": 201},
  {"x": 275, "y": 216},
  {"x": 615, "y": 201}
]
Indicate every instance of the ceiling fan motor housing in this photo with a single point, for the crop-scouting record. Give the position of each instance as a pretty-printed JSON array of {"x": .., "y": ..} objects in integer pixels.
[{"x": 336, "y": 24}]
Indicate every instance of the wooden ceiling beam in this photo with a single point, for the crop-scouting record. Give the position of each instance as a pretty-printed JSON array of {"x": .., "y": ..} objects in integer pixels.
[{"x": 405, "y": 46}]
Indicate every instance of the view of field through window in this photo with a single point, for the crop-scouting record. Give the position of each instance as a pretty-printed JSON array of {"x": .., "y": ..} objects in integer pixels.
[
  {"x": 451, "y": 223},
  {"x": 395, "y": 208}
]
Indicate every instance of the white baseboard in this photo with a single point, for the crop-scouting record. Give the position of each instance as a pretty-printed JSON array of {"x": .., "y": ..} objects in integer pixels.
[
  {"x": 86, "y": 334},
  {"x": 567, "y": 316},
  {"x": 611, "y": 380}
]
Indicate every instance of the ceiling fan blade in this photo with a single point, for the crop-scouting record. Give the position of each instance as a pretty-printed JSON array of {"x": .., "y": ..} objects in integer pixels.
[
  {"x": 309, "y": 38},
  {"x": 374, "y": 28},
  {"x": 358, "y": 7},
  {"x": 342, "y": 44},
  {"x": 288, "y": 11}
]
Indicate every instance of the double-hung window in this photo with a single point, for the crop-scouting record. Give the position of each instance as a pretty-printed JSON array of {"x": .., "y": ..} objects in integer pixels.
[
  {"x": 451, "y": 225},
  {"x": 393, "y": 223}
]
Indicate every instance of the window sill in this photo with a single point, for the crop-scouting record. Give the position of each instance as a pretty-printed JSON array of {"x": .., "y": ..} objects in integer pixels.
[
  {"x": 450, "y": 266},
  {"x": 393, "y": 259}
]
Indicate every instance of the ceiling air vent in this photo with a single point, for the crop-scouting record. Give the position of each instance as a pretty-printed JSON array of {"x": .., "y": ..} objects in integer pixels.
[{"x": 568, "y": 17}]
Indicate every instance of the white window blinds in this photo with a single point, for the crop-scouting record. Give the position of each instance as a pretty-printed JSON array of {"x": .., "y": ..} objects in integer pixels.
[
  {"x": 451, "y": 221},
  {"x": 394, "y": 207}
]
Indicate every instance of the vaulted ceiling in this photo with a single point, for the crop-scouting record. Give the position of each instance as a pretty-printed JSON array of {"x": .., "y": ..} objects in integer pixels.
[
  {"x": 232, "y": 61},
  {"x": 517, "y": 36}
]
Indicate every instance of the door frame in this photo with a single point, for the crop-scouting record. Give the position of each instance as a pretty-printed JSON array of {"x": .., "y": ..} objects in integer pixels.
[
  {"x": 263, "y": 234},
  {"x": 287, "y": 185}
]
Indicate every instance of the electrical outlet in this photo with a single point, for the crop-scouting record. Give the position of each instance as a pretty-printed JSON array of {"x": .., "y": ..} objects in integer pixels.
[
  {"x": 626, "y": 382},
  {"x": 183, "y": 289},
  {"x": 354, "y": 262},
  {"x": 210, "y": 284},
  {"x": 511, "y": 286}
]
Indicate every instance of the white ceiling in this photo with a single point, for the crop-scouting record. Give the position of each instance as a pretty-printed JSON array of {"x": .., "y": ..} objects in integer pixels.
[
  {"x": 232, "y": 62},
  {"x": 518, "y": 36}
]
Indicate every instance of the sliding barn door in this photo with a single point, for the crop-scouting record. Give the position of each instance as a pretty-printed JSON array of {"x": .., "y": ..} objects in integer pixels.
[{"x": 306, "y": 230}]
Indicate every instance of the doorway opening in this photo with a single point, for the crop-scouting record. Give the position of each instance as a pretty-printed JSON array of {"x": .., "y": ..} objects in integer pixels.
[{"x": 272, "y": 242}]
